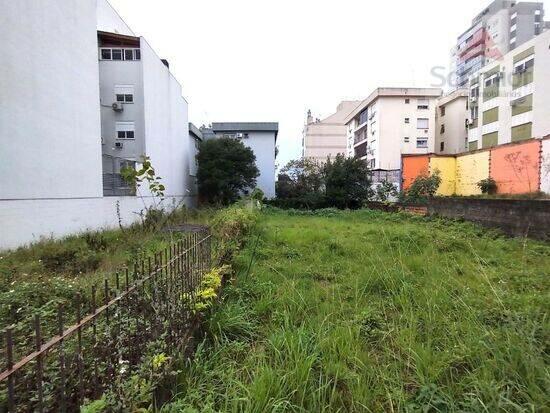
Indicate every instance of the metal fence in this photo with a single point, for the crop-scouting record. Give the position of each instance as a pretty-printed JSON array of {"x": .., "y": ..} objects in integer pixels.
[
  {"x": 105, "y": 336},
  {"x": 113, "y": 183}
]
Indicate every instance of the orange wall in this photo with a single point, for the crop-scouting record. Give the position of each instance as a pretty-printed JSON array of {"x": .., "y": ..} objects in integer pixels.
[
  {"x": 414, "y": 166},
  {"x": 516, "y": 168}
]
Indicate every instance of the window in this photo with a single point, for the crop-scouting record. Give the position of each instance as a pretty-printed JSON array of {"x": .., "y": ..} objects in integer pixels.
[
  {"x": 442, "y": 130},
  {"x": 363, "y": 117},
  {"x": 117, "y": 54},
  {"x": 422, "y": 143},
  {"x": 422, "y": 123},
  {"x": 442, "y": 146},
  {"x": 406, "y": 139},
  {"x": 407, "y": 101},
  {"x": 522, "y": 67},
  {"x": 442, "y": 110},
  {"x": 423, "y": 104},
  {"x": 120, "y": 54},
  {"x": 407, "y": 120},
  {"x": 492, "y": 80},
  {"x": 125, "y": 130},
  {"x": 372, "y": 163},
  {"x": 124, "y": 93}
]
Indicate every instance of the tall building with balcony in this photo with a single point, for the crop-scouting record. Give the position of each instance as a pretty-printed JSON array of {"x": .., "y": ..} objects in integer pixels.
[
  {"x": 499, "y": 28},
  {"x": 390, "y": 122},
  {"x": 510, "y": 99},
  {"x": 323, "y": 139}
]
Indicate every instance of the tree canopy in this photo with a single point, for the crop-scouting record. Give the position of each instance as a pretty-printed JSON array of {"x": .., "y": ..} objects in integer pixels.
[{"x": 227, "y": 169}]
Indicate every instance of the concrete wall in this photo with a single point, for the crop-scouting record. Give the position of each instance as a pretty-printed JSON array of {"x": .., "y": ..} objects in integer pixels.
[
  {"x": 515, "y": 168},
  {"x": 28, "y": 221},
  {"x": 470, "y": 169},
  {"x": 263, "y": 146},
  {"x": 545, "y": 166},
  {"x": 49, "y": 100},
  {"x": 446, "y": 165},
  {"x": 414, "y": 166},
  {"x": 514, "y": 217},
  {"x": 166, "y": 122}
]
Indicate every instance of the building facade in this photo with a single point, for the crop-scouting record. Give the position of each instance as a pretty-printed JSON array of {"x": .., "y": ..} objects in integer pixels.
[
  {"x": 261, "y": 137},
  {"x": 392, "y": 121},
  {"x": 451, "y": 123},
  {"x": 57, "y": 119},
  {"x": 510, "y": 99},
  {"x": 326, "y": 138},
  {"x": 498, "y": 29}
]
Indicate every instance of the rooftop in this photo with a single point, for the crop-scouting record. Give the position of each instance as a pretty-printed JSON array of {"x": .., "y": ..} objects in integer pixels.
[{"x": 246, "y": 127}]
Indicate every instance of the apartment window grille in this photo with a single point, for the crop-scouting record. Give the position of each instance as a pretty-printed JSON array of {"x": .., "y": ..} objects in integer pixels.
[
  {"x": 125, "y": 130},
  {"x": 363, "y": 117},
  {"x": 422, "y": 123},
  {"x": 120, "y": 54},
  {"x": 407, "y": 120},
  {"x": 406, "y": 139},
  {"x": 442, "y": 146},
  {"x": 423, "y": 104},
  {"x": 422, "y": 143}
]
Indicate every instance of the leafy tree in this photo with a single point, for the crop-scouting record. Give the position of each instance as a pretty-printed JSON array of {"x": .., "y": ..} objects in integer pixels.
[
  {"x": 348, "y": 182},
  {"x": 385, "y": 191},
  {"x": 301, "y": 185},
  {"x": 227, "y": 168}
]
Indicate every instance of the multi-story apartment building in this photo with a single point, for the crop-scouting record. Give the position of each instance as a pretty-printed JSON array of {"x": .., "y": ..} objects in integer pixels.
[
  {"x": 323, "y": 139},
  {"x": 261, "y": 137},
  {"x": 57, "y": 119},
  {"x": 510, "y": 99},
  {"x": 392, "y": 121},
  {"x": 499, "y": 28},
  {"x": 451, "y": 118}
]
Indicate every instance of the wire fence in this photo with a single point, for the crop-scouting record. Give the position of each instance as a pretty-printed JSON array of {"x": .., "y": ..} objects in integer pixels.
[{"x": 80, "y": 351}]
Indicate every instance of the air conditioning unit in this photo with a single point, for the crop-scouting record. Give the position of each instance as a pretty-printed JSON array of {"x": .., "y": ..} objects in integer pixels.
[
  {"x": 118, "y": 107},
  {"x": 119, "y": 145},
  {"x": 239, "y": 135}
]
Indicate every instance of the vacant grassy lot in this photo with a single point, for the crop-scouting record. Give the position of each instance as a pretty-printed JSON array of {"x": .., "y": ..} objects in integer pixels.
[{"x": 366, "y": 311}]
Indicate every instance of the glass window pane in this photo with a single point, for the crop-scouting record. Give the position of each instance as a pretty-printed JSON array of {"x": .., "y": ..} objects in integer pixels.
[
  {"x": 128, "y": 54},
  {"x": 121, "y": 134},
  {"x": 130, "y": 134},
  {"x": 106, "y": 54},
  {"x": 128, "y": 98},
  {"x": 120, "y": 98},
  {"x": 117, "y": 54},
  {"x": 138, "y": 54}
]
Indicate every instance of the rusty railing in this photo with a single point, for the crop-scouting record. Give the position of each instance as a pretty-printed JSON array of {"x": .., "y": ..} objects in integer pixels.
[{"x": 104, "y": 336}]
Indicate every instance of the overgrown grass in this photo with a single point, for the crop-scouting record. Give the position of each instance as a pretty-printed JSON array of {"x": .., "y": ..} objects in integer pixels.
[{"x": 368, "y": 311}]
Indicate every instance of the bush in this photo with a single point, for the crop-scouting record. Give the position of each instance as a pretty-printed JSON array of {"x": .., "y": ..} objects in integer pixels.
[
  {"x": 72, "y": 257},
  {"x": 422, "y": 189},
  {"x": 487, "y": 186}
]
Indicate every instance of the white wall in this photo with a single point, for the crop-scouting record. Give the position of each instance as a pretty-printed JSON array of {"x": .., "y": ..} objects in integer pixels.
[
  {"x": 166, "y": 123},
  {"x": 49, "y": 100},
  {"x": 263, "y": 146},
  {"x": 27, "y": 221},
  {"x": 108, "y": 20}
]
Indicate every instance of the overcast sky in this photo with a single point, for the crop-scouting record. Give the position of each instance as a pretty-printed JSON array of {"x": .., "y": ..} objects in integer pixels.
[{"x": 256, "y": 60}]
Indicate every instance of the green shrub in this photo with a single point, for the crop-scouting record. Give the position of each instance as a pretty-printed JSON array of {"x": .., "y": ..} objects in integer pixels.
[
  {"x": 487, "y": 186},
  {"x": 422, "y": 189},
  {"x": 72, "y": 257}
]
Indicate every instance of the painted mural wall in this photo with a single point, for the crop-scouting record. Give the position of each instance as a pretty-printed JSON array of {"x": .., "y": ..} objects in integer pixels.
[
  {"x": 414, "y": 166},
  {"x": 516, "y": 168},
  {"x": 446, "y": 165},
  {"x": 470, "y": 169}
]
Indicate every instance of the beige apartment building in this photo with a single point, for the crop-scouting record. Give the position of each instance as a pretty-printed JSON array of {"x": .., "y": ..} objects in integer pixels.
[
  {"x": 510, "y": 98},
  {"x": 451, "y": 120},
  {"x": 391, "y": 122},
  {"x": 326, "y": 138}
]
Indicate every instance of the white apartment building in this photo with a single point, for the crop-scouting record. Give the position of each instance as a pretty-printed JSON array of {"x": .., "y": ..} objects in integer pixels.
[
  {"x": 323, "y": 139},
  {"x": 451, "y": 118},
  {"x": 499, "y": 28},
  {"x": 261, "y": 137},
  {"x": 57, "y": 118},
  {"x": 510, "y": 99},
  {"x": 390, "y": 122}
]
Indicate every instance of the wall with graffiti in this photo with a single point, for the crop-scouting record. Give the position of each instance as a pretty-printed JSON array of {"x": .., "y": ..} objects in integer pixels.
[{"x": 517, "y": 168}]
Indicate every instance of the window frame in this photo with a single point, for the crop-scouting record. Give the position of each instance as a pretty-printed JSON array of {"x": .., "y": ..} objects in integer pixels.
[
  {"x": 423, "y": 139},
  {"x": 422, "y": 119}
]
